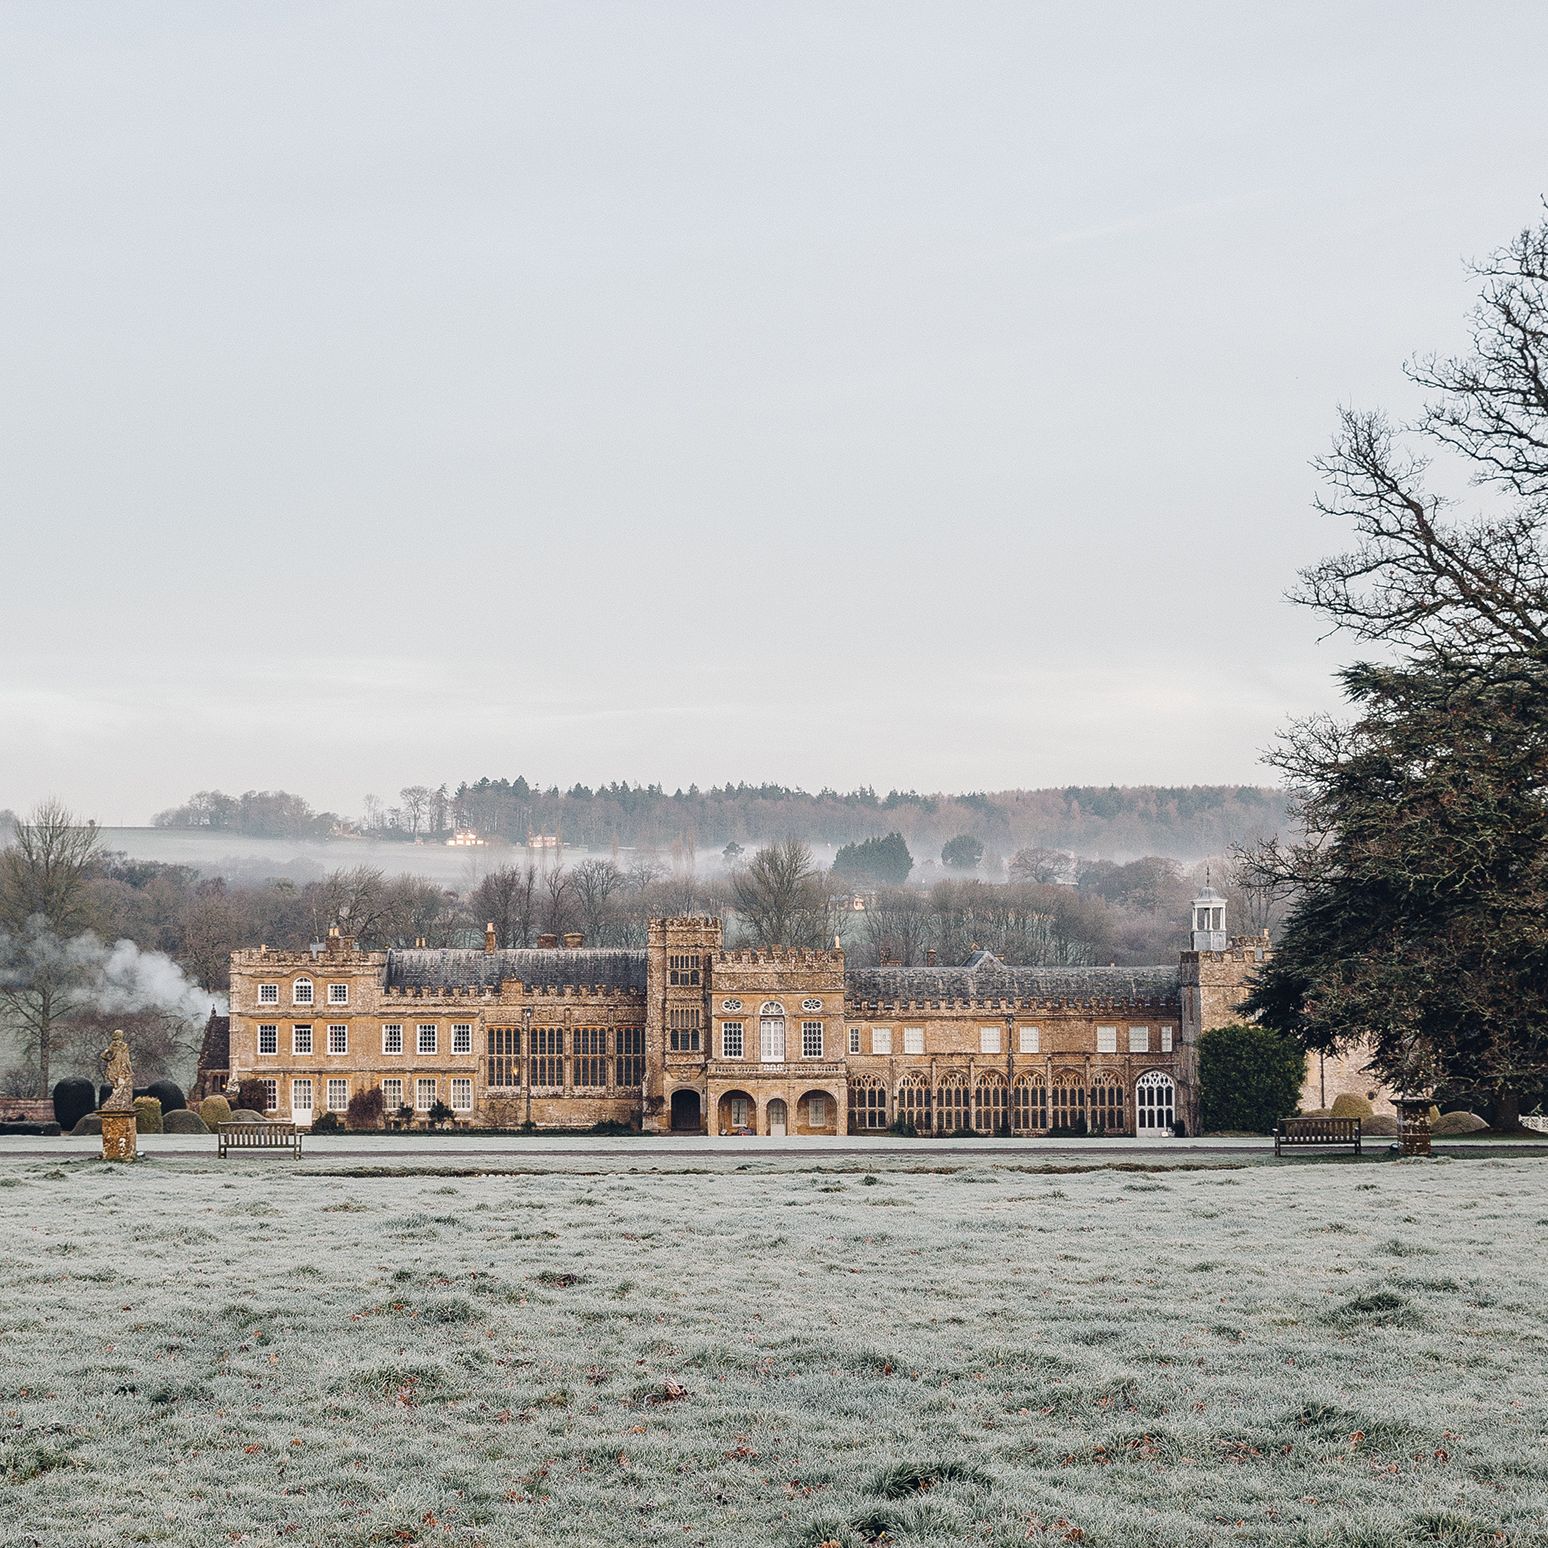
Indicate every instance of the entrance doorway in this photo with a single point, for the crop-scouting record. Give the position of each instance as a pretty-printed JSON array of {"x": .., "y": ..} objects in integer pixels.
[
  {"x": 687, "y": 1113},
  {"x": 779, "y": 1118},
  {"x": 1155, "y": 1105}
]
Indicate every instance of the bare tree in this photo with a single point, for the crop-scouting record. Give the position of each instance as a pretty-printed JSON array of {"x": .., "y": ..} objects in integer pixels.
[
  {"x": 507, "y": 898},
  {"x": 1044, "y": 866},
  {"x": 416, "y": 806},
  {"x": 557, "y": 901},
  {"x": 597, "y": 883},
  {"x": 43, "y": 900},
  {"x": 781, "y": 897}
]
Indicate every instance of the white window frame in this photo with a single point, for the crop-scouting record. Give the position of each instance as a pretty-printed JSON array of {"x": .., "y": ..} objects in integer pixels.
[
  {"x": 913, "y": 1040},
  {"x": 1166, "y": 1040},
  {"x": 812, "y": 1006},
  {"x": 989, "y": 1040},
  {"x": 301, "y": 1038},
  {"x": 338, "y": 994},
  {"x": 338, "y": 1039},
  {"x": 817, "y": 1110},
  {"x": 389, "y": 1028},
  {"x": 270, "y": 1095},
  {"x": 420, "y": 1082},
  {"x": 268, "y": 1032},
  {"x": 773, "y": 1034},
  {"x": 1107, "y": 1040},
  {"x": 813, "y": 1042},
  {"x": 421, "y": 1046},
  {"x": 311, "y": 1094},
  {"x": 733, "y": 1040},
  {"x": 1029, "y": 1040},
  {"x": 881, "y": 1040},
  {"x": 392, "y": 1099},
  {"x": 854, "y": 1040},
  {"x": 268, "y": 994},
  {"x": 462, "y": 1094},
  {"x": 303, "y": 992},
  {"x": 462, "y": 1037},
  {"x": 334, "y": 1088},
  {"x": 1139, "y": 1040}
]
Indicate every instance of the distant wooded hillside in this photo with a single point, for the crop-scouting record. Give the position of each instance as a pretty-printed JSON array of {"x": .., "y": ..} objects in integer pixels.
[{"x": 1182, "y": 821}]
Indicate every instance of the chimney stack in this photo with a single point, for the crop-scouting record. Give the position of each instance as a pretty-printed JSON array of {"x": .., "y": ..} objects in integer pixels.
[
  {"x": 884, "y": 956},
  {"x": 547, "y": 942},
  {"x": 930, "y": 957},
  {"x": 489, "y": 937},
  {"x": 573, "y": 940}
]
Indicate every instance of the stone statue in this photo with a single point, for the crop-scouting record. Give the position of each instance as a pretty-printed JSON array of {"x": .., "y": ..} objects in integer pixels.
[{"x": 120, "y": 1074}]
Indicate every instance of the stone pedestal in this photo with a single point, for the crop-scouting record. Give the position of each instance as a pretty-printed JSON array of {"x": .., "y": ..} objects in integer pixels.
[
  {"x": 119, "y": 1134},
  {"x": 1413, "y": 1124}
]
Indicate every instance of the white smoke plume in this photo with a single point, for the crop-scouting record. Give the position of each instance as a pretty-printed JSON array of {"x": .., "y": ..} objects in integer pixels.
[{"x": 117, "y": 980}]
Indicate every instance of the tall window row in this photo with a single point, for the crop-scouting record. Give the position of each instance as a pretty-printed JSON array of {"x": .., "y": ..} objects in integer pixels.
[
  {"x": 990, "y": 1105},
  {"x": 595, "y": 1058}
]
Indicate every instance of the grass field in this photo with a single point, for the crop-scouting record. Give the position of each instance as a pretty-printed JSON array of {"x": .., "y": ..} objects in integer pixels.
[{"x": 1342, "y": 1354}]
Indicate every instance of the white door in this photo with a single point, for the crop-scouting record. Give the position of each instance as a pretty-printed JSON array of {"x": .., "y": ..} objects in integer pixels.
[
  {"x": 301, "y": 1101},
  {"x": 778, "y": 1118},
  {"x": 1155, "y": 1104},
  {"x": 771, "y": 1039}
]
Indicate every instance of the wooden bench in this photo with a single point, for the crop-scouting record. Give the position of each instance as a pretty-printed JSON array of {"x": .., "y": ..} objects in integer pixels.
[
  {"x": 259, "y": 1136},
  {"x": 1304, "y": 1133}
]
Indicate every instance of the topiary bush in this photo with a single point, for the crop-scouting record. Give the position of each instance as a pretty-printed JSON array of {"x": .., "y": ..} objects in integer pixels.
[
  {"x": 90, "y": 1124},
  {"x": 1350, "y": 1104},
  {"x": 169, "y": 1094},
  {"x": 147, "y": 1115},
  {"x": 1458, "y": 1123},
  {"x": 1249, "y": 1078},
  {"x": 183, "y": 1120},
  {"x": 215, "y": 1110},
  {"x": 246, "y": 1115},
  {"x": 367, "y": 1109},
  {"x": 253, "y": 1095},
  {"x": 74, "y": 1097}
]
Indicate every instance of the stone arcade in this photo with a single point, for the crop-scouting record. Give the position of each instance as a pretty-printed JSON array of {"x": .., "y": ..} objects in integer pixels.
[{"x": 692, "y": 1036}]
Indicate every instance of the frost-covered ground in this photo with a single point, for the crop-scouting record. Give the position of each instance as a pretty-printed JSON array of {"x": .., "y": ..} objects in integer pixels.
[{"x": 743, "y": 1353}]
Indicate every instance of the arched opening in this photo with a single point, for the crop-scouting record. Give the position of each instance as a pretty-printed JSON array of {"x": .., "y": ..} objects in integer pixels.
[
  {"x": 771, "y": 1033},
  {"x": 914, "y": 1102},
  {"x": 1029, "y": 1105},
  {"x": 990, "y": 1114},
  {"x": 817, "y": 1113},
  {"x": 951, "y": 1102},
  {"x": 1155, "y": 1104},
  {"x": 687, "y": 1112},
  {"x": 867, "y": 1103},
  {"x": 1105, "y": 1113},
  {"x": 738, "y": 1114},
  {"x": 779, "y": 1118},
  {"x": 1069, "y": 1105}
]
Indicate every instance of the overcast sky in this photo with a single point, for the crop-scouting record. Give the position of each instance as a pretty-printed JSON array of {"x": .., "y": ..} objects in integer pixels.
[{"x": 905, "y": 394}]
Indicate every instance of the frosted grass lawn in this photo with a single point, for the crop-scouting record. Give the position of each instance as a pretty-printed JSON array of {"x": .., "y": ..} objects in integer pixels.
[{"x": 1338, "y": 1354}]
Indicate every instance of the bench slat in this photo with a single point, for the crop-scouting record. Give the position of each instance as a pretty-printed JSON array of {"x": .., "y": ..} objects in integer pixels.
[{"x": 259, "y": 1136}]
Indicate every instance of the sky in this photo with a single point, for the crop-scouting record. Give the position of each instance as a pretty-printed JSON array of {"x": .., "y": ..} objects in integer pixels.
[{"x": 903, "y": 394}]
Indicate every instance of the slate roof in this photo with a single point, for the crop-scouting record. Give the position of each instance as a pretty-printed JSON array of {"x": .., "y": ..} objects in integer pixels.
[
  {"x": 984, "y": 977},
  {"x": 539, "y": 967},
  {"x": 215, "y": 1051}
]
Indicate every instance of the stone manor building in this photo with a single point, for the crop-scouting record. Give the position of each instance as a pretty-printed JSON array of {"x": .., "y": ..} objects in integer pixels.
[{"x": 692, "y": 1036}]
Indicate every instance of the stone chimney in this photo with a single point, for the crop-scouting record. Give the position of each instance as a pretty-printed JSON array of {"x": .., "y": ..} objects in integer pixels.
[
  {"x": 547, "y": 942},
  {"x": 573, "y": 940},
  {"x": 930, "y": 957},
  {"x": 489, "y": 937},
  {"x": 884, "y": 956}
]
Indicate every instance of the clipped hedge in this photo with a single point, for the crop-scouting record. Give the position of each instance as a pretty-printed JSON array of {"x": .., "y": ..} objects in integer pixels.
[
  {"x": 183, "y": 1120},
  {"x": 147, "y": 1115},
  {"x": 74, "y": 1097},
  {"x": 1249, "y": 1078},
  {"x": 169, "y": 1094},
  {"x": 215, "y": 1110},
  {"x": 1350, "y": 1104}
]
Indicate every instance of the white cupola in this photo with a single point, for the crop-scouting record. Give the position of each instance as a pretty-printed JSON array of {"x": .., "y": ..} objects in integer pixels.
[{"x": 1209, "y": 931}]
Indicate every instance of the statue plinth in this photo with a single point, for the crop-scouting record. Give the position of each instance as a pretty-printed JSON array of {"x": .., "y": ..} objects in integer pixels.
[{"x": 119, "y": 1135}]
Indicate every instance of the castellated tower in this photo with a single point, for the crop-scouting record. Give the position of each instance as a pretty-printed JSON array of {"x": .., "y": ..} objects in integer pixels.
[
  {"x": 1214, "y": 975},
  {"x": 679, "y": 957}
]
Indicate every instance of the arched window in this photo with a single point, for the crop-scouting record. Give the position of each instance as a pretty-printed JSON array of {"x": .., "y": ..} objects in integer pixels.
[
  {"x": 951, "y": 1102},
  {"x": 914, "y": 1102},
  {"x": 1069, "y": 1104},
  {"x": 301, "y": 992},
  {"x": 1106, "y": 1109},
  {"x": 771, "y": 1032},
  {"x": 989, "y": 1103},
  {"x": 1155, "y": 1103},
  {"x": 1029, "y": 1105},
  {"x": 867, "y": 1103}
]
